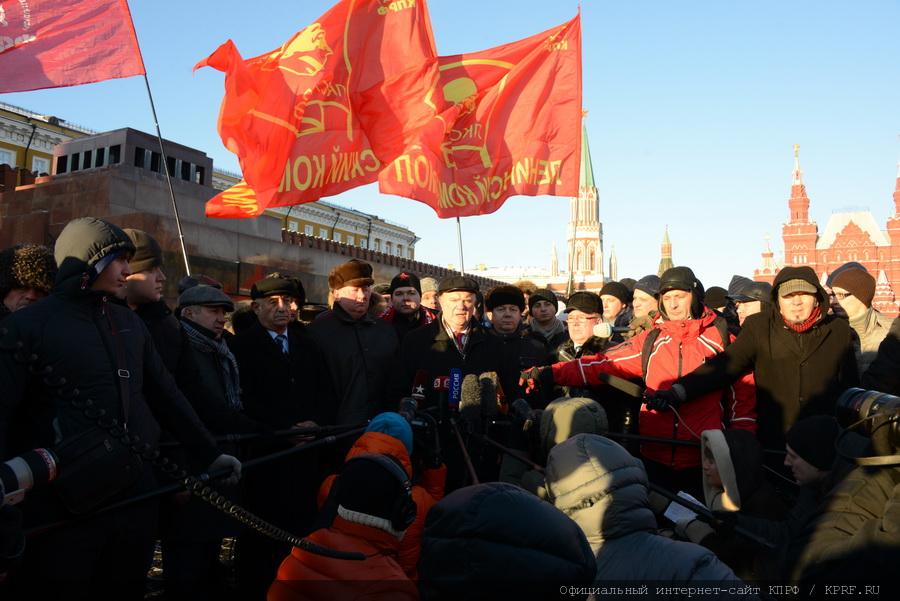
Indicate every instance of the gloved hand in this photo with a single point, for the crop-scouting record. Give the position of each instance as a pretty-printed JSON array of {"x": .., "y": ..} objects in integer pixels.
[
  {"x": 663, "y": 400},
  {"x": 537, "y": 379},
  {"x": 224, "y": 461},
  {"x": 693, "y": 530},
  {"x": 408, "y": 407},
  {"x": 639, "y": 324}
]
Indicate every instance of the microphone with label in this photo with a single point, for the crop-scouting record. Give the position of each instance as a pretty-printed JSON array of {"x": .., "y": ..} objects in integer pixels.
[{"x": 606, "y": 330}]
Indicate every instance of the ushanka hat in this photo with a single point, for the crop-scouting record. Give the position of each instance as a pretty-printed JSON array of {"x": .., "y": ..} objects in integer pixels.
[
  {"x": 352, "y": 273},
  {"x": 26, "y": 266}
]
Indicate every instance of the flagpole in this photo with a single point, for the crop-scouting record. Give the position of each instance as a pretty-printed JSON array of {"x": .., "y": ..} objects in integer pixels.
[
  {"x": 462, "y": 267},
  {"x": 165, "y": 163}
]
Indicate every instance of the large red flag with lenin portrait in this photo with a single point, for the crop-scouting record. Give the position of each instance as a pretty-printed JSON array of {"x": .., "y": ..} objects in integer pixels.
[
  {"x": 325, "y": 112},
  {"x": 508, "y": 122},
  {"x": 56, "y": 43}
]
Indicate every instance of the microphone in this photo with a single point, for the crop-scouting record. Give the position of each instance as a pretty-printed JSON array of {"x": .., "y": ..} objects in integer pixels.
[
  {"x": 521, "y": 413},
  {"x": 490, "y": 389},
  {"x": 454, "y": 386},
  {"x": 470, "y": 403},
  {"x": 605, "y": 330},
  {"x": 418, "y": 386}
]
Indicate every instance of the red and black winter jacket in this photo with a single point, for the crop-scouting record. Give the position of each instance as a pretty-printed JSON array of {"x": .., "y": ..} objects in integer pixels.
[{"x": 679, "y": 348}]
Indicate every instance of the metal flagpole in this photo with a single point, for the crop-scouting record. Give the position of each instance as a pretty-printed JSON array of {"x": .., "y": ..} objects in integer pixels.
[
  {"x": 462, "y": 267},
  {"x": 165, "y": 163}
]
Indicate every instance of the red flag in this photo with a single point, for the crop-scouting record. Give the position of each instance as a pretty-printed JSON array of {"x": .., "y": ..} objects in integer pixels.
[
  {"x": 54, "y": 43},
  {"x": 508, "y": 122},
  {"x": 323, "y": 113}
]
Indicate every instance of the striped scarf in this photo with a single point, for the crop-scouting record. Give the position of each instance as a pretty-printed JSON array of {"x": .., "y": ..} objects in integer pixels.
[{"x": 227, "y": 363}]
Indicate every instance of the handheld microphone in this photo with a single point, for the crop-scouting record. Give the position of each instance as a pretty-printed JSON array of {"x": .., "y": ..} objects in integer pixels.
[
  {"x": 418, "y": 386},
  {"x": 490, "y": 389},
  {"x": 470, "y": 403},
  {"x": 455, "y": 388},
  {"x": 521, "y": 413},
  {"x": 606, "y": 330},
  {"x": 441, "y": 385}
]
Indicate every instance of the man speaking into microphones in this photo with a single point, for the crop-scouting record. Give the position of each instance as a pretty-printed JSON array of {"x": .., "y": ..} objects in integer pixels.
[{"x": 453, "y": 341}]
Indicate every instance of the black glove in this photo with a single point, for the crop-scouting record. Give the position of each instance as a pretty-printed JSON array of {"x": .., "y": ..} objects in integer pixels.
[
  {"x": 537, "y": 378},
  {"x": 663, "y": 400},
  {"x": 408, "y": 407}
]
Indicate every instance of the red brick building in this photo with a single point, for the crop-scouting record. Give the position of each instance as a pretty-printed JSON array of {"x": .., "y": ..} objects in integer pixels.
[{"x": 848, "y": 236}]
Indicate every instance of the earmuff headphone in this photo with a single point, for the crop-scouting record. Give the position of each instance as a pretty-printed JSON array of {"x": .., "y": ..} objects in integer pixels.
[{"x": 403, "y": 509}]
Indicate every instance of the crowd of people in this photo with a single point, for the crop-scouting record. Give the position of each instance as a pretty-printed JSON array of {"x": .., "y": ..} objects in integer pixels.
[{"x": 432, "y": 439}]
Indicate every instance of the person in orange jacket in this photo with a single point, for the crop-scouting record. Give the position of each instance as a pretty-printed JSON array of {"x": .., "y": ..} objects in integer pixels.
[
  {"x": 390, "y": 434},
  {"x": 374, "y": 508}
]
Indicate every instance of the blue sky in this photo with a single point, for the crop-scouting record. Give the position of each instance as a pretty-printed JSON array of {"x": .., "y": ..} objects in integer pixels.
[{"x": 693, "y": 111}]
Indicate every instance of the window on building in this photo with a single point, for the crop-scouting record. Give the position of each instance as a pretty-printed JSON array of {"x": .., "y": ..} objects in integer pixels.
[
  {"x": 139, "y": 156},
  {"x": 186, "y": 171},
  {"x": 62, "y": 164},
  {"x": 337, "y": 236},
  {"x": 170, "y": 166},
  {"x": 115, "y": 154},
  {"x": 350, "y": 240},
  {"x": 75, "y": 164},
  {"x": 7, "y": 157},
  {"x": 40, "y": 165},
  {"x": 388, "y": 247},
  {"x": 155, "y": 160},
  {"x": 100, "y": 157},
  {"x": 308, "y": 230},
  {"x": 410, "y": 254},
  {"x": 363, "y": 243},
  {"x": 323, "y": 233},
  {"x": 377, "y": 247},
  {"x": 399, "y": 250},
  {"x": 199, "y": 175},
  {"x": 293, "y": 226}
]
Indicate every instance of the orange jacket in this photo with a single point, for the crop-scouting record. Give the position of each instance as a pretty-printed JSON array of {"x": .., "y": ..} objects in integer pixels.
[
  {"x": 306, "y": 576},
  {"x": 425, "y": 494}
]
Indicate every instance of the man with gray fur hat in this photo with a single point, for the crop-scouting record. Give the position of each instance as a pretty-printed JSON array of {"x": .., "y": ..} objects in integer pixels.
[{"x": 26, "y": 276}]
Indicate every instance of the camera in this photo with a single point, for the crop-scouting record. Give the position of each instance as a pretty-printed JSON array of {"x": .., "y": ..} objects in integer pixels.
[
  {"x": 881, "y": 412},
  {"x": 22, "y": 473}
]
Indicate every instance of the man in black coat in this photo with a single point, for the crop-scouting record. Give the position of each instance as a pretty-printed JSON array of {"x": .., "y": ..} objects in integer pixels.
[
  {"x": 802, "y": 359},
  {"x": 105, "y": 352},
  {"x": 143, "y": 293},
  {"x": 26, "y": 276},
  {"x": 284, "y": 383},
  {"x": 208, "y": 374},
  {"x": 521, "y": 348},
  {"x": 359, "y": 350}
]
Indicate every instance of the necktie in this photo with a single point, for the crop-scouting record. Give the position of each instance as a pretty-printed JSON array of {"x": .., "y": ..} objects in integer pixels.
[{"x": 281, "y": 339}]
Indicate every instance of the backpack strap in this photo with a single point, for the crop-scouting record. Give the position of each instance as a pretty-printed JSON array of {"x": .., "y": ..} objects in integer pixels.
[{"x": 647, "y": 350}]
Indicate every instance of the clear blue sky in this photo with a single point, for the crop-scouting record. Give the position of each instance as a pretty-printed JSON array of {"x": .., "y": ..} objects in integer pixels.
[{"x": 693, "y": 111}]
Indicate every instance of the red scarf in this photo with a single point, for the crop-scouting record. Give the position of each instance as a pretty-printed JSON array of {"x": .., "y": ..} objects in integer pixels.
[{"x": 806, "y": 324}]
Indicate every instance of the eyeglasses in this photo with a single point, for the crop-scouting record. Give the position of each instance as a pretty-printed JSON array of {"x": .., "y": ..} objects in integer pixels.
[
  {"x": 841, "y": 295},
  {"x": 579, "y": 320}
]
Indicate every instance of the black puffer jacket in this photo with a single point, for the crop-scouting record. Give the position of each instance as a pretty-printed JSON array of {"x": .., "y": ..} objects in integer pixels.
[
  {"x": 70, "y": 331},
  {"x": 796, "y": 375},
  {"x": 497, "y": 541}
]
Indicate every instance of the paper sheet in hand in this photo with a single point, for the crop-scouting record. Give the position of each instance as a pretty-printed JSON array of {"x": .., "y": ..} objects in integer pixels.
[{"x": 677, "y": 513}]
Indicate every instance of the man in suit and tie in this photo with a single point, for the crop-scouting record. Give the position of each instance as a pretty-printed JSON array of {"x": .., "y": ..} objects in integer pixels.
[{"x": 283, "y": 383}]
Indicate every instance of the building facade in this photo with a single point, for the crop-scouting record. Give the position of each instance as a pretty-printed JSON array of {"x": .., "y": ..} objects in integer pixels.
[
  {"x": 848, "y": 236},
  {"x": 27, "y": 139}
]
